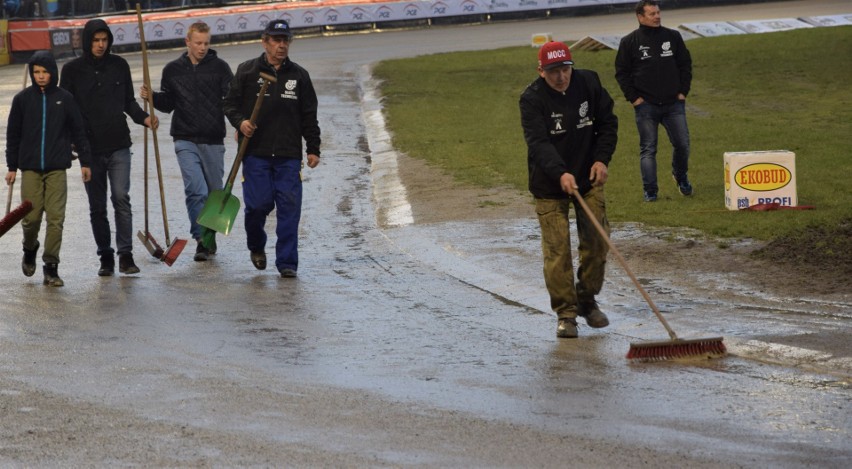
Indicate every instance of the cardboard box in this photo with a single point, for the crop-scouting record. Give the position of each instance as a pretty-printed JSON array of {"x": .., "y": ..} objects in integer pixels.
[{"x": 760, "y": 177}]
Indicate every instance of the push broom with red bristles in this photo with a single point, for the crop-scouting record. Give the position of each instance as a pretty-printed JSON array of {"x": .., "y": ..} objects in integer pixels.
[
  {"x": 14, "y": 216},
  {"x": 174, "y": 249},
  {"x": 675, "y": 348}
]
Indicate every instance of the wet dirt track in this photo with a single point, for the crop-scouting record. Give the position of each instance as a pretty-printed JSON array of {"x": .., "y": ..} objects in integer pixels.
[{"x": 413, "y": 345}]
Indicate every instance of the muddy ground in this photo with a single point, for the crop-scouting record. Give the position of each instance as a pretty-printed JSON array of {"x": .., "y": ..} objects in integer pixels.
[{"x": 817, "y": 262}]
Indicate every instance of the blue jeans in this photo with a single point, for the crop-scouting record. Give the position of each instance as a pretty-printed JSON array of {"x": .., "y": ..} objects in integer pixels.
[
  {"x": 673, "y": 118},
  {"x": 273, "y": 183},
  {"x": 115, "y": 168},
  {"x": 202, "y": 167}
]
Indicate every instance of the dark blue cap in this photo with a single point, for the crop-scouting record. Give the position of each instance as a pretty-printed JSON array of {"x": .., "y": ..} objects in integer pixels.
[{"x": 278, "y": 28}]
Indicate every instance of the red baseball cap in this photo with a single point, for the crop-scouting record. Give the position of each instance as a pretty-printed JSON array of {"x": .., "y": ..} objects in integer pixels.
[{"x": 554, "y": 54}]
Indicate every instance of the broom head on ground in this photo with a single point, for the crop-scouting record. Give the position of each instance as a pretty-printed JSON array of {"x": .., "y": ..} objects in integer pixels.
[
  {"x": 13, "y": 217},
  {"x": 677, "y": 349}
]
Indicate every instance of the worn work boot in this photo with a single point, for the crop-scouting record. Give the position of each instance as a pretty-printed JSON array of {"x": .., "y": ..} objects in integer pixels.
[
  {"x": 126, "y": 264},
  {"x": 51, "y": 275},
  {"x": 593, "y": 315},
  {"x": 28, "y": 264},
  {"x": 201, "y": 253},
  {"x": 107, "y": 265},
  {"x": 287, "y": 273},
  {"x": 259, "y": 260},
  {"x": 566, "y": 328}
]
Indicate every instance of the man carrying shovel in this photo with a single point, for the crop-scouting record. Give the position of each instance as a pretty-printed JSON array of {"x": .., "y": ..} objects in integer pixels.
[{"x": 273, "y": 156}]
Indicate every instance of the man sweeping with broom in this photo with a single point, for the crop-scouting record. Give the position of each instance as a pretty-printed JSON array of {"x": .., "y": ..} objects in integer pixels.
[{"x": 571, "y": 134}]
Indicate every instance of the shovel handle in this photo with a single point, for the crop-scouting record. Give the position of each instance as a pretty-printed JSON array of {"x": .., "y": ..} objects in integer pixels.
[
  {"x": 623, "y": 263},
  {"x": 267, "y": 79}
]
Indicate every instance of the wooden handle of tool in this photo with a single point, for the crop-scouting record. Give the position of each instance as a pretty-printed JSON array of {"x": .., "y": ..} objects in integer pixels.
[
  {"x": 623, "y": 263},
  {"x": 9, "y": 199},
  {"x": 267, "y": 79},
  {"x": 147, "y": 79}
]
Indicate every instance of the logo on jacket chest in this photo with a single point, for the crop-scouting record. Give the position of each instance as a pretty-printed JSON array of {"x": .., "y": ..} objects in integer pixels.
[
  {"x": 290, "y": 90},
  {"x": 665, "y": 51},
  {"x": 556, "y": 126},
  {"x": 585, "y": 120}
]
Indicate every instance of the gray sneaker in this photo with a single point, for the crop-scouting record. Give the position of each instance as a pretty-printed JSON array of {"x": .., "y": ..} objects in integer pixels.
[
  {"x": 592, "y": 314},
  {"x": 566, "y": 328}
]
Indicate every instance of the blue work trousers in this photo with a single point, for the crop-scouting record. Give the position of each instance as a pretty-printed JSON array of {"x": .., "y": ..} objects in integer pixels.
[
  {"x": 202, "y": 167},
  {"x": 673, "y": 118},
  {"x": 273, "y": 183}
]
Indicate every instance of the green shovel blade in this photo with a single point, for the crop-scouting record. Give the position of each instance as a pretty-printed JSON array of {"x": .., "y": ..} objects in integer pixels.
[{"x": 219, "y": 211}]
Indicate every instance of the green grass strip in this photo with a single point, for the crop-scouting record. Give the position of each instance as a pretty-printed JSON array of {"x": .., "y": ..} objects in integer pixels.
[{"x": 787, "y": 90}]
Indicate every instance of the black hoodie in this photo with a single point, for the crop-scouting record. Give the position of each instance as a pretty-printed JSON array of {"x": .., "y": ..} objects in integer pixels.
[
  {"x": 43, "y": 124},
  {"x": 104, "y": 90}
]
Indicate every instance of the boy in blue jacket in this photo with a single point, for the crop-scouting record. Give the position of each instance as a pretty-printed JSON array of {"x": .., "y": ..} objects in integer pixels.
[{"x": 44, "y": 121}]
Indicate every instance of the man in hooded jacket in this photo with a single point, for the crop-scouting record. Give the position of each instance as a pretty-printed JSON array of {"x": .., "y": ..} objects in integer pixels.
[
  {"x": 102, "y": 86},
  {"x": 43, "y": 122}
]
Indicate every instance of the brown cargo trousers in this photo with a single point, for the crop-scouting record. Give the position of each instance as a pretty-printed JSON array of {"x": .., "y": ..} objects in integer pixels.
[{"x": 556, "y": 250}]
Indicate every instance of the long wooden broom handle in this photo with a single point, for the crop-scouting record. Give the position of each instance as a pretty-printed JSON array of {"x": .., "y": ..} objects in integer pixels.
[
  {"x": 145, "y": 164},
  {"x": 267, "y": 79},
  {"x": 9, "y": 199},
  {"x": 623, "y": 263},
  {"x": 150, "y": 100}
]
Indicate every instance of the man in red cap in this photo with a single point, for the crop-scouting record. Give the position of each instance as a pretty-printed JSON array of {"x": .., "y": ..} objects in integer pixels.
[{"x": 571, "y": 134}]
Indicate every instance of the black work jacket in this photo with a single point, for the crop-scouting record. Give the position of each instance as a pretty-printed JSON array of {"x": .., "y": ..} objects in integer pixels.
[
  {"x": 654, "y": 64},
  {"x": 287, "y": 115},
  {"x": 567, "y": 132}
]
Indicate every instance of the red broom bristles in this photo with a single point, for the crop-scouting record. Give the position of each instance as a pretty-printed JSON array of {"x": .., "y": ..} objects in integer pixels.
[
  {"x": 674, "y": 349},
  {"x": 14, "y": 216},
  {"x": 173, "y": 251}
]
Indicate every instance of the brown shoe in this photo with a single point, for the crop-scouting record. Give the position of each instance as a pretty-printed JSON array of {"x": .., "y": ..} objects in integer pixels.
[{"x": 592, "y": 314}]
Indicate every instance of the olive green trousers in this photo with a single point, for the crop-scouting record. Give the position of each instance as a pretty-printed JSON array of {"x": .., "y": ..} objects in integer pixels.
[
  {"x": 48, "y": 193},
  {"x": 553, "y": 218}
]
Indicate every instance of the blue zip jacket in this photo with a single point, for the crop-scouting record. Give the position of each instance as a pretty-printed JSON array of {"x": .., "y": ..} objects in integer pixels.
[{"x": 43, "y": 124}]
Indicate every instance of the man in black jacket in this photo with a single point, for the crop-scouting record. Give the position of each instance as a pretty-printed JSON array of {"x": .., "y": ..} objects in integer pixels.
[
  {"x": 193, "y": 86},
  {"x": 273, "y": 159},
  {"x": 571, "y": 134},
  {"x": 44, "y": 121},
  {"x": 102, "y": 87},
  {"x": 654, "y": 70}
]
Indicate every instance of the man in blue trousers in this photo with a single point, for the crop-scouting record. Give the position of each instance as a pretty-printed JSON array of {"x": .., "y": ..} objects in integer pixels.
[{"x": 273, "y": 159}]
